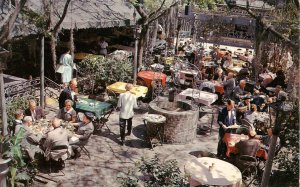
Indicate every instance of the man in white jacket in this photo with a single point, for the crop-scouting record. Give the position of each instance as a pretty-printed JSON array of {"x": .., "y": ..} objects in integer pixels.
[{"x": 127, "y": 102}]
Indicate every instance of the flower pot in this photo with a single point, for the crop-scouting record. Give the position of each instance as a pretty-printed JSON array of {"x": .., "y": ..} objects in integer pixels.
[{"x": 4, "y": 168}]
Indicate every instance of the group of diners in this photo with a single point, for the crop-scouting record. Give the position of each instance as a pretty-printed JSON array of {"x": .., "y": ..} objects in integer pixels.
[
  {"x": 257, "y": 138},
  {"x": 56, "y": 139}
]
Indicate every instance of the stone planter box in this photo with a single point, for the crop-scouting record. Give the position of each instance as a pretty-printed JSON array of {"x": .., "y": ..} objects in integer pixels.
[{"x": 181, "y": 120}]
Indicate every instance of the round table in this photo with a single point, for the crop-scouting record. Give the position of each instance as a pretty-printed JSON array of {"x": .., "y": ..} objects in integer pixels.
[
  {"x": 149, "y": 76},
  {"x": 221, "y": 174}
]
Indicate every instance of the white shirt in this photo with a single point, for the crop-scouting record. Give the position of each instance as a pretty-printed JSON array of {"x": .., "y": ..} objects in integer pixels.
[{"x": 127, "y": 101}]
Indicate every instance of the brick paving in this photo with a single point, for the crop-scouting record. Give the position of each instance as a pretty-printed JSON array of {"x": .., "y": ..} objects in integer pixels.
[{"x": 110, "y": 160}]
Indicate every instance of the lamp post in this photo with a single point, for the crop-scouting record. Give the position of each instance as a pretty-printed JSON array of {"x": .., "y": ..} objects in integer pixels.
[
  {"x": 3, "y": 58},
  {"x": 282, "y": 109}
]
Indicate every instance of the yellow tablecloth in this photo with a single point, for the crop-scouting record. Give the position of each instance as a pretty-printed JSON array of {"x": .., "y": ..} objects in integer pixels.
[
  {"x": 81, "y": 56},
  {"x": 168, "y": 60},
  {"x": 119, "y": 87}
]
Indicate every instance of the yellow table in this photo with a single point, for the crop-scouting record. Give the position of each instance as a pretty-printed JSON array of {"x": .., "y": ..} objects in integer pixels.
[
  {"x": 119, "y": 87},
  {"x": 81, "y": 56}
]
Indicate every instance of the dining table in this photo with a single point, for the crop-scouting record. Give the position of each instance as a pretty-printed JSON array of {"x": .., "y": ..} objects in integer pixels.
[
  {"x": 119, "y": 87},
  {"x": 98, "y": 108},
  {"x": 149, "y": 76},
  {"x": 219, "y": 88},
  {"x": 231, "y": 139},
  {"x": 212, "y": 172},
  {"x": 202, "y": 97}
]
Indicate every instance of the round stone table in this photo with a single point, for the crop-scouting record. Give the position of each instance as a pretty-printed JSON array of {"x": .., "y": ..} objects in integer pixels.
[{"x": 212, "y": 171}]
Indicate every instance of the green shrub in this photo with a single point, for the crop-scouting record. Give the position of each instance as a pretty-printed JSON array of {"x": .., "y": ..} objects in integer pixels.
[
  {"x": 106, "y": 71},
  {"x": 156, "y": 173}
]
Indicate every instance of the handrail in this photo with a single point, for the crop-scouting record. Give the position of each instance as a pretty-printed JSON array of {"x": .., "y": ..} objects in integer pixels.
[{"x": 29, "y": 87}]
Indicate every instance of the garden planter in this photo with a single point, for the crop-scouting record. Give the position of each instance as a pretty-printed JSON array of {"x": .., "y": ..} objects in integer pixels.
[{"x": 4, "y": 168}]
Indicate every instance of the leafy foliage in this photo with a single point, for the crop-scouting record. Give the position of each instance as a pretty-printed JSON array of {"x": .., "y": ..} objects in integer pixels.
[
  {"x": 11, "y": 148},
  {"x": 288, "y": 157},
  {"x": 16, "y": 103},
  {"x": 157, "y": 173},
  {"x": 105, "y": 71}
]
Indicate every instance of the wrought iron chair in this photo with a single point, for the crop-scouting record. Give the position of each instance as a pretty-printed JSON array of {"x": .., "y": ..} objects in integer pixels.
[
  {"x": 99, "y": 123},
  {"x": 248, "y": 166},
  {"x": 59, "y": 158}
]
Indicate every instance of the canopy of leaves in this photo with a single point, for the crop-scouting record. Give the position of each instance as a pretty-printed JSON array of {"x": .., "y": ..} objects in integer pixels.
[
  {"x": 105, "y": 70},
  {"x": 206, "y": 5}
]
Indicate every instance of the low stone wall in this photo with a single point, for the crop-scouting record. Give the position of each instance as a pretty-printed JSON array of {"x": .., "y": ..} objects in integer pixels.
[{"x": 181, "y": 123}]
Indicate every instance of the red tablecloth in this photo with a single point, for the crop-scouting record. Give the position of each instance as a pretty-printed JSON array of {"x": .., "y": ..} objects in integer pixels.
[
  {"x": 232, "y": 139},
  {"x": 218, "y": 87},
  {"x": 149, "y": 76}
]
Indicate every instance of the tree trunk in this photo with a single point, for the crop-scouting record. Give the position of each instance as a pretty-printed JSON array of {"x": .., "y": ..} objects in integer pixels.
[
  {"x": 142, "y": 44},
  {"x": 72, "y": 47},
  {"x": 259, "y": 34},
  {"x": 53, "y": 50},
  {"x": 154, "y": 35}
]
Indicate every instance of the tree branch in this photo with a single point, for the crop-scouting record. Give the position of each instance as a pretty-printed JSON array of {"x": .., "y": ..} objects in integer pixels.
[
  {"x": 141, "y": 11},
  {"x": 9, "y": 23},
  {"x": 265, "y": 24},
  {"x": 154, "y": 12},
  {"x": 61, "y": 19},
  {"x": 160, "y": 15}
]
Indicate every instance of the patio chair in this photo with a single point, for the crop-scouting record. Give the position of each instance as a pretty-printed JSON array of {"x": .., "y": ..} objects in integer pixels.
[
  {"x": 248, "y": 166},
  {"x": 57, "y": 154},
  {"x": 81, "y": 144},
  {"x": 99, "y": 123}
]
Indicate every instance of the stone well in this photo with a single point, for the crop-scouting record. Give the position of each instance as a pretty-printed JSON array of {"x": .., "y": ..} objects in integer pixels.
[{"x": 181, "y": 120}]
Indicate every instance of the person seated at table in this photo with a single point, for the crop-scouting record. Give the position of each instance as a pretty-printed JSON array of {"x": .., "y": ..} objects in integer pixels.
[
  {"x": 181, "y": 49},
  {"x": 68, "y": 93},
  {"x": 226, "y": 118},
  {"x": 203, "y": 74},
  {"x": 214, "y": 54},
  {"x": 258, "y": 88},
  {"x": 249, "y": 147},
  {"x": 208, "y": 85},
  {"x": 279, "y": 80},
  {"x": 239, "y": 91},
  {"x": 67, "y": 113},
  {"x": 17, "y": 121},
  {"x": 243, "y": 107},
  {"x": 229, "y": 85},
  {"x": 218, "y": 76},
  {"x": 266, "y": 140},
  {"x": 228, "y": 63},
  {"x": 55, "y": 138},
  {"x": 29, "y": 141},
  {"x": 84, "y": 131},
  {"x": 251, "y": 114},
  {"x": 265, "y": 69},
  {"x": 278, "y": 94},
  {"x": 243, "y": 73},
  {"x": 264, "y": 107},
  {"x": 35, "y": 112}
]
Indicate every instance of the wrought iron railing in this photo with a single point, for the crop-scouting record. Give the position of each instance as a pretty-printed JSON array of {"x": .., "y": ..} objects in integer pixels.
[{"x": 32, "y": 88}]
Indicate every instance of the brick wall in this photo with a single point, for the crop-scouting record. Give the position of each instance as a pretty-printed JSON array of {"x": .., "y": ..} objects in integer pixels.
[{"x": 181, "y": 124}]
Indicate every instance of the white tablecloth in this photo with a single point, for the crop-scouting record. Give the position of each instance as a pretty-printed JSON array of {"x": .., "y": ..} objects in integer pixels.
[
  {"x": 222, "y": 173},
  {"x": 202, "y": 97},
  {"x": 182, "y": 73}
]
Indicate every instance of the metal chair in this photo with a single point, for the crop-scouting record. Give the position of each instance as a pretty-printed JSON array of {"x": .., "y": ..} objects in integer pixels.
[
  {"x": 248, "y": 166},
  {"x": 99, "y": 123},
  {"x": 60, "y": 161}
]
